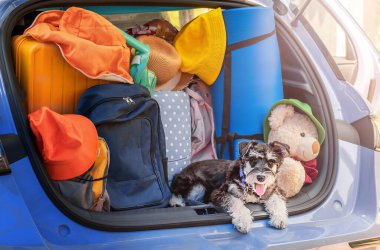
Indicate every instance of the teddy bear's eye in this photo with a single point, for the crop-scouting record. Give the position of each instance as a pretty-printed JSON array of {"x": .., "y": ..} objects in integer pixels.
[{"x": 303, "y": 134}]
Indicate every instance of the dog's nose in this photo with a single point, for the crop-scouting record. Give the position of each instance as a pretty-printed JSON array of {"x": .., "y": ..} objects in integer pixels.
[{"x": 260, "y": 178}]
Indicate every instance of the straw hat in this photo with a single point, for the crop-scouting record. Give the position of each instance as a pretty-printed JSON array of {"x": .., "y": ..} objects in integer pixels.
[
  {"x": 164, "y": 60},
  {"x": 180, "y": 81}
]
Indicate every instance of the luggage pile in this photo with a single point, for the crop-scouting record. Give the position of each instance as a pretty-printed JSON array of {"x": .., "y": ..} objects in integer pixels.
[{"x": 117, "y": 113}]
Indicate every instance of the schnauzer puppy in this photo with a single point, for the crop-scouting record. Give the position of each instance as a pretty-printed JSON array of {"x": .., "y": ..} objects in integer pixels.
[{"x": 232, "y": 184}]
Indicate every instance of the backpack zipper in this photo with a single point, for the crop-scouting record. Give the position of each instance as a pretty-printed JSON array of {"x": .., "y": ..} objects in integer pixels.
[{"x": 128, "y": 100}]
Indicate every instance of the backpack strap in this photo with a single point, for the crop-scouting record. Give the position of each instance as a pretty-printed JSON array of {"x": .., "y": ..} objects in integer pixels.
[
  {"x": 227, "y": 137},
  {"x": 98, "y": 173},
  {"x": 231, "y": 137},
  {"x": 193, "y": 94}
]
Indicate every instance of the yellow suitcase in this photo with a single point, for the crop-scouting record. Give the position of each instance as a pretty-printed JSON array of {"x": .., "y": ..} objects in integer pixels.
[{"x": 45, "y": 76}]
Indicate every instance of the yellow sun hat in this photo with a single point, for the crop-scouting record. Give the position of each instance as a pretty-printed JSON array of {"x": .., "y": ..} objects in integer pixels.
[{"x": 201, "y": 45}]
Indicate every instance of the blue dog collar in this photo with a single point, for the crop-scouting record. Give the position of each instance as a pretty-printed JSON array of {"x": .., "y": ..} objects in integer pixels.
[{"x": 242, "y": 175}]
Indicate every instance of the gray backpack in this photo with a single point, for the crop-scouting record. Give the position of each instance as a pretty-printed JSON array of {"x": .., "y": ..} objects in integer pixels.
[{"x": 88, "y": 191}]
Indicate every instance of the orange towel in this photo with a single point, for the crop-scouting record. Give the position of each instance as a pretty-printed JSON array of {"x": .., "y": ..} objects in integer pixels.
[{"x": 87, "y": 41}]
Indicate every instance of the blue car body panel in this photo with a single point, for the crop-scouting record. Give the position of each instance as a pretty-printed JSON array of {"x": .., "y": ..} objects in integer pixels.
[
  {"x": 17, "y": 227},
  {"x": 350, "y": 212}
]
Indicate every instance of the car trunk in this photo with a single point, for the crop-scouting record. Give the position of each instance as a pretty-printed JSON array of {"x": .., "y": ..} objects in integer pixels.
[{"x": 299, "y": 82}]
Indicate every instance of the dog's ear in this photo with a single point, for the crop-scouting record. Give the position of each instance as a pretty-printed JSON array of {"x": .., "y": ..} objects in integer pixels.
[
  {"x": 242, "y": 147},
  {"x": 281, "y": 149},
  {"x": 181, "y": 183},
  {"x": 245, "y": 145}
]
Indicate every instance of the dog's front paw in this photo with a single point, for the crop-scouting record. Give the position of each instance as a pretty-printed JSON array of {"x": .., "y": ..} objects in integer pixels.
[
  {"x": 279, "y": 221},
  {"x": 243, "y": 222},
  {"x": 243, "y": 226},
  {"x": 177, "y": 201}
]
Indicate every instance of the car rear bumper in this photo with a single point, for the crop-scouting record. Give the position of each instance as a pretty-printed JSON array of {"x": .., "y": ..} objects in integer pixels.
[{"x": 350, "y": 213}]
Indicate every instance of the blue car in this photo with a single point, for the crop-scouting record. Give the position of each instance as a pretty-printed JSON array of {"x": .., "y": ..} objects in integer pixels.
[{"x": 341, "y": 208}]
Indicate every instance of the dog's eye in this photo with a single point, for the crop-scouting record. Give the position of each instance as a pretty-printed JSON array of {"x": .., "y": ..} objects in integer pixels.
[
  {"x": 272, "y": 161},
  {"x": 252, "y": 162},
  {"x": 302, "y": 134},
  {"x": 269, "y": 170}
]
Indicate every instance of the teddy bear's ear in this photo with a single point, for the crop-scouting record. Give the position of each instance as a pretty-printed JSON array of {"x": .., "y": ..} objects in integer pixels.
[
  {"x": 278, "y": 115},
  {"x": 244, "y": 146},
  {"x": 281, "y": 149}
]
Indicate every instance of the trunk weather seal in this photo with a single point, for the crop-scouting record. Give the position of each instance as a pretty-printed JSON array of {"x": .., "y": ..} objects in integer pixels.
[
  {"x": 328, "y": 115},
  {"x": 87, "y": 218}
]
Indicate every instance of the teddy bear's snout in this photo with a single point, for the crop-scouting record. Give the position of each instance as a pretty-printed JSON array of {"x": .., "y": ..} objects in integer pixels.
[
  {"x": 308, "y": 148},
  {"x": 315, "y": 147}
]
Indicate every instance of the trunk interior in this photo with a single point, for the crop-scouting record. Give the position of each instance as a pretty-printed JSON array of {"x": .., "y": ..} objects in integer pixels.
[{"x": 299, "y": 82}]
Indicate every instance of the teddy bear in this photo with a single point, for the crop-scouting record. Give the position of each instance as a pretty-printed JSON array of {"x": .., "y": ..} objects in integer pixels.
[{"x": 292, "y": 122}]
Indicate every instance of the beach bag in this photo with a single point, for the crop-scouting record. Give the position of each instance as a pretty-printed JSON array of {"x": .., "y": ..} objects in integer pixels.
[
  {"x": 88, "y": 190},
  {"x": 129, "y": 120},
  {"x": 175, "y": 115},
  {"x": 202, "y": 122}
]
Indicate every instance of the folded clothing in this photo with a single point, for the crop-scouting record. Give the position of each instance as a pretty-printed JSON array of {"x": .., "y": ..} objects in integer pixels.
[{"x": 88, "y": 42}]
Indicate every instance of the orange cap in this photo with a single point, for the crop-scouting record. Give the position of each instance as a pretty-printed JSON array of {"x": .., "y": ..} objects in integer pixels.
[{"x": 68, "y": 143}]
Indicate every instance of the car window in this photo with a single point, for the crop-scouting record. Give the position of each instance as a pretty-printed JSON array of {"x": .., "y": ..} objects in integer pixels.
[
  {"x": 330, "y": 37},
  {"x": 365, "y": 13}
]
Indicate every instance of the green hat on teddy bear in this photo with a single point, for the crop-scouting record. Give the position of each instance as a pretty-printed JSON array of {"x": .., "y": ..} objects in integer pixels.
[{"x": 305, "y": 108}]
